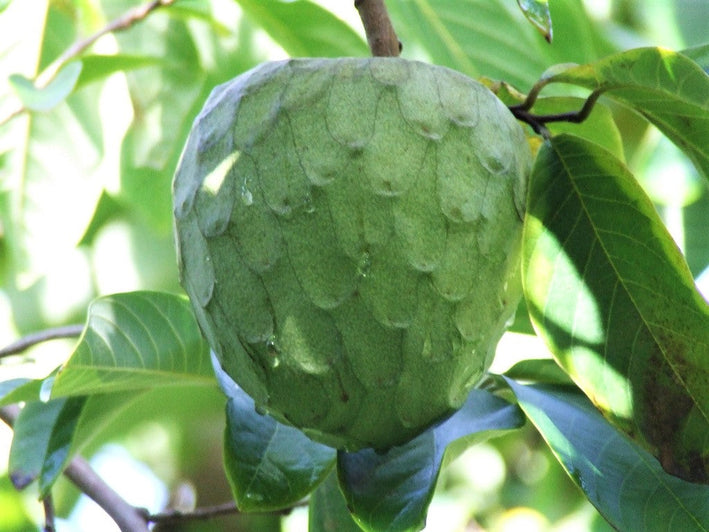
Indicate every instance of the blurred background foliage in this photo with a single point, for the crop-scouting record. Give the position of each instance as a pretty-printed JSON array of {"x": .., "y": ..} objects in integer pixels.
[{"x": 85, "y": 210}]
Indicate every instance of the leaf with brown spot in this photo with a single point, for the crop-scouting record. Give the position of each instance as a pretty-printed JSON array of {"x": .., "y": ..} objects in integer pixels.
[{"x": 613, "y": 298}]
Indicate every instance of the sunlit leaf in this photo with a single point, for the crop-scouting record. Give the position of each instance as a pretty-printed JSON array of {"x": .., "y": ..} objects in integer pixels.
[
  {"x": 538, "y": 370},
  {"x": 492, "y": 37},
  {"x": 136, "y": 341},
  {"x": 611, "y": 295},
  {"x": 269, "y": 465},
  {"x": 537, "y": 12},
  {"x": 327, "y": 511},
  {"x": 667, "y": 88},
  {"x": 392, "y": 490},
  {"x": 45, "y": 98},
  {"x": 98, "y": 67},
  {"x": 624, "y": 482},
  {"x": 305, "y": 29}
]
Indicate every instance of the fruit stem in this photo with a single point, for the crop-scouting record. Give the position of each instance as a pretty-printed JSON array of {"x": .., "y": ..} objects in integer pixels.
[{"x": 381, "y": 36}]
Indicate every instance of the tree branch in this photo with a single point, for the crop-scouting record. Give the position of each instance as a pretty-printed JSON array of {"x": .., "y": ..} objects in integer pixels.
[
  {"x": 126, "y": 516},
  {"x": 377, "y": 25},
  {"x": 121, "y": 23},
  {"x": 68, "y": 331}
]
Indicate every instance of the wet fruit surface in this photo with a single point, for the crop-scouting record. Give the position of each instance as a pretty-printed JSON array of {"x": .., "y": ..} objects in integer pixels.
[{"x": 348, "y": 233}]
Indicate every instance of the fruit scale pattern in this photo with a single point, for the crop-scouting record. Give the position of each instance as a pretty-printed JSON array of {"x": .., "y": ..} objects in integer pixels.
[{"x": 348, "y": 232}]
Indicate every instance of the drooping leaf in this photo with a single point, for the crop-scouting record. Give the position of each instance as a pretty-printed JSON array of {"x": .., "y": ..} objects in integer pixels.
[
  {"x": 269, "y": 465},
  {"x": 45, "y": 98},
  {"x": 537, "y": 12},
  {"x": 135, "y": 341},
  {"x": 327, "y": 511},
  {"x": 492, "y": 37},
  {"x": 667, "y": 88},
  {"x": 624, "y": 482},
  {"x": 305, "y": 29},
  {"x": 48, "y": 434},
  {"x": 392, "y": 490},
  {"x": 98, "y": 67},
  {"x": 612, "y": 296}
]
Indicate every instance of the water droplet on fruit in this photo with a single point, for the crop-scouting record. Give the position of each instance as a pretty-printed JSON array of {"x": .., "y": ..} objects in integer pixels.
[
  {"x": 364, "y": 266},
  {"x": 247, "y": 198},
  {"x": 274, "y": 350}
]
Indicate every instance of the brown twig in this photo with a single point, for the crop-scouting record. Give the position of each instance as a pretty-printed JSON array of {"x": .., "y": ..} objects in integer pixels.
[
  {"x": 126, "y": 516},
  {"x": 121, "y": 23},
  {"x": 377, "y": 25},
  {"x": 208, "y": 512},
  {"x": 68, "y": 331}
]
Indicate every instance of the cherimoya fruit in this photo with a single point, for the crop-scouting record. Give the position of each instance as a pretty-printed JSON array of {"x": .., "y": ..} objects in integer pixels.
[{"x": 348, "y": 233}]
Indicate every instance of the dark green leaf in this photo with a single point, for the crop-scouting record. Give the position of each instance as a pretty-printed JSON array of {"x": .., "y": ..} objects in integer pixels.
[
  {"x": 98, "y": 67},
  {"x": 135, "y": 341},
  {"x": 667, "y": 88},
  {"x": 624, "y": 482},
  {"x": 305, "y": 29},
  {"x": 35, "y": 439},
  {"x": 611, "y": 295},
  {"x": 537, "y": 12},
  {"x": 328, "y": 511},
  {"x": 269, "y": 465},
  {"x": 392, "y": 490},
  {"x": 45, "y": 98}
]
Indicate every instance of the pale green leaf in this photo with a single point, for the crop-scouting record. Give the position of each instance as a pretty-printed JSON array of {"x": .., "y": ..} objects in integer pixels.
[
  {"x": 305, "y": 29},
  {"x": 136, "y": 341},
  {"x": 667, "y": 88},
  {"x": 45, "y": 98},
  {"x": 613, "y": 298}
]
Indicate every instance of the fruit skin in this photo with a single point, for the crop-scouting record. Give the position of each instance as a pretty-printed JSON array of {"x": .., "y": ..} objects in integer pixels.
[{"x": 348, "y": 233}]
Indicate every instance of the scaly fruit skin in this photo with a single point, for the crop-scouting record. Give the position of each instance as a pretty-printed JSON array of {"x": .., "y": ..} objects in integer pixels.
[{"x": 348, "y": 233}]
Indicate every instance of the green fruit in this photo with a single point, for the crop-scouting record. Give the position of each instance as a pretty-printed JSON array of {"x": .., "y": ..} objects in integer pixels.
[{"x": 348, "y": 233}]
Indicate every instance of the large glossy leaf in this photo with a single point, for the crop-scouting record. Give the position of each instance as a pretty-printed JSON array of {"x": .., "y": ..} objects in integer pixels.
[
  {"x": 623, "y": 481},
  {"x": 269, "y": 465},
  {"x": 392, "y": 490},
  {"x": 667, "y": 88},
  {"x": 611, "y": 295},
  {"x": 305, "y": 29},
  {"x": 135, "y": 341},
  {"x": 492, "y": 38}
]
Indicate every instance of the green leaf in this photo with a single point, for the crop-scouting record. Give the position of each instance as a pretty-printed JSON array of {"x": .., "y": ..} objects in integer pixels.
[
  {"x": 327, "y": 511},
  {"x": 47, "y": 435},
  {"x": 99, "y": 67},
  {"x": 135, "y": 341},
  {"x": 4, "y": 4},
  {"x": 613, "y": 298},
  {"x": 624, "y": 482},
  {"x": 700, "y": 55},
  {"x": 45, "y": 98},
  {"x": 30, "y": 442},
  {"x": 667, "y": 88},
  {"x": 492, "y": 37},
  {"x": 270, "y": 466},
  {"x": 392, "y": 490},
  {"x": 304, "y": 29},
  {"x": 538, "y": 370},
  {"x": 537, "y": 12}
]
